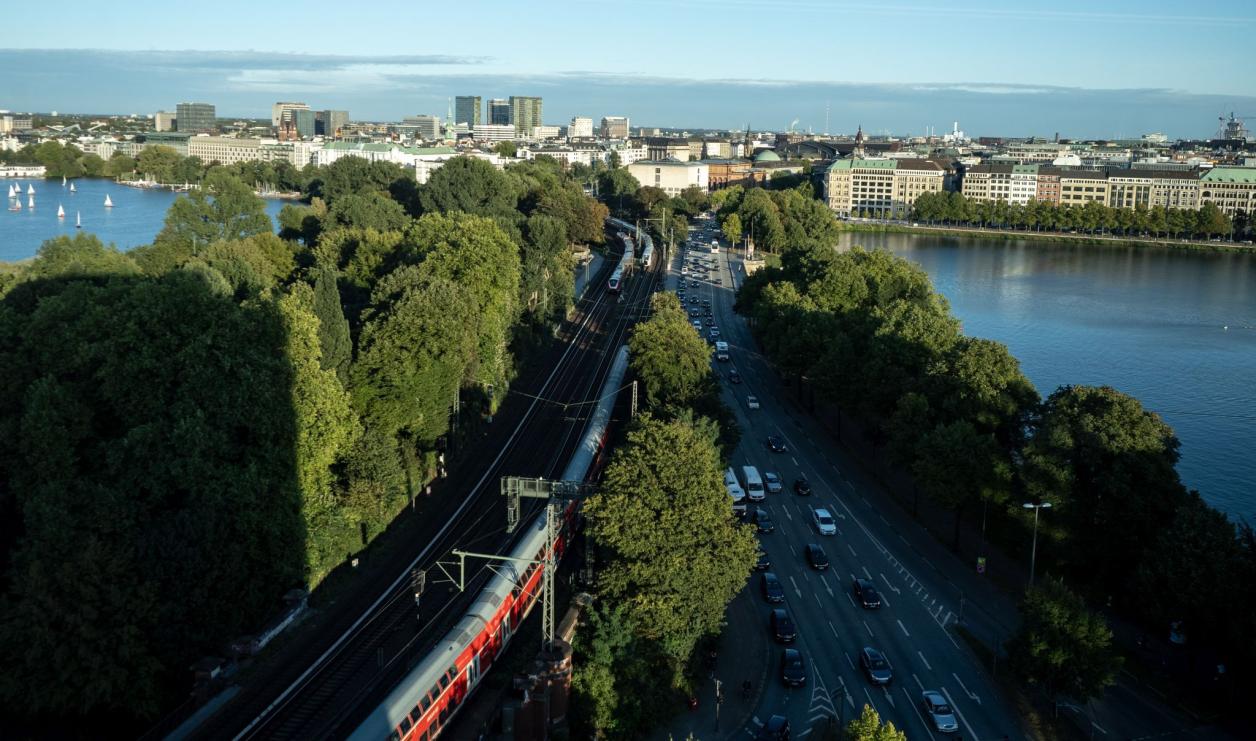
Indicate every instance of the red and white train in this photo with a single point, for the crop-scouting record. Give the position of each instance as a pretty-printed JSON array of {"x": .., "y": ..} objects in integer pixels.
[{"x": 426, "y": 700}]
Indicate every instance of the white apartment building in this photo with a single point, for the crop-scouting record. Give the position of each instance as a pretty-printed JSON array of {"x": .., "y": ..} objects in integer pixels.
[
  {"x": 494, "y": 133},
  {"x": 670, "y": 176},
  {"x": 541, "y": 133},
  {"x": 566, "y": 155},
  {"x": 884, "y": 188},
  {"x": 629, "y": 154},
  {"x": 581, "y": 127}
]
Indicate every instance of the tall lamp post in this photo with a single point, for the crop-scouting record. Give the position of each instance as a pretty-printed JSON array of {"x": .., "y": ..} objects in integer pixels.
[{"x": 1033, "y": 554}]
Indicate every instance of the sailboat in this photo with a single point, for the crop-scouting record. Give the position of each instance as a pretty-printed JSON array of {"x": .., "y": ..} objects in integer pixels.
[
  {"x": 78, "y": 220},
  {"x": 72, "y": 189},
  {"x": 63, "y": 181},
  {"x": 31, "y": 204},
  {"x": 30, "y": 190},
  {"x": 17, "y": 205},
  {"x": 108, "y": 202},
  {"x": 60, "y": 212},
  {"x": 10, "y": 191}
]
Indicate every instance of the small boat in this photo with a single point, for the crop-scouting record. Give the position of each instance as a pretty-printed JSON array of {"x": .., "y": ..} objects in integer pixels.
[
  {"x": 30, "y": 190},
  {"x": 72, "y": 188},
  {"x": 63, "y": 181},
  {"x": 12, "y": 192},
  {"x": 60, "y": 212},
  {"x": 78, "y": 220},
  {"x": 31, "y": 203},
  {"x": 108, "y": 202},
  {"x": 17, "y": 205}
]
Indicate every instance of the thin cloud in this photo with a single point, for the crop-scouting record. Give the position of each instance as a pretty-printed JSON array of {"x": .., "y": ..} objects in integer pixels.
[{"x": 241, "y": 60}]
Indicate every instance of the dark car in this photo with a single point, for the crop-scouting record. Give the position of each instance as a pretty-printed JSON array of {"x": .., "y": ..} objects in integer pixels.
[
  {"x": 783, "y": 629},
  {"x": 816, "y": 556},
  {"x": 772, "y": 590},
  {"x": 802, "y": 487},
  {"x": 793, "y": 671},
  {"x": 875, "y": 666},
  {"x": 734, "y": 376},
  {"x": 866, "y": 593},
  {"x": 776, "y": 729},
  {"x": 776, "y": 444},
  {"x": 763, "y": 521},
  {"x": 764, "y": 562}
]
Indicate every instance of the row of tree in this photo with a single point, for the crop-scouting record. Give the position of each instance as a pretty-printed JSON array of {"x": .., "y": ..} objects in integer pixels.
[
  {"x": 873, "y": 338},
  {"x": 1092, "y": 217},
  {"x": 671, "y": 555},
  {"x": 202, "y": 423}
]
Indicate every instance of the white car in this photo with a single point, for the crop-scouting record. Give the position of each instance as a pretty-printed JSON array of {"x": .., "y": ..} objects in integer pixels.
[
  {"x": 752, "y": 402},
  {"x": 939, "y": 711},
  {"x": 825, "y": 523}
]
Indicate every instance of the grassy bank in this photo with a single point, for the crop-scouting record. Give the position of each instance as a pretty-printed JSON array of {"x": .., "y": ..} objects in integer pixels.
[{"x": 1050, "y": 237}]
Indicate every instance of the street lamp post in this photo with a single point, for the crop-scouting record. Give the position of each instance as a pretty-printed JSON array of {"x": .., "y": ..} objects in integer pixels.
[{"x": 1033, "y": 554}]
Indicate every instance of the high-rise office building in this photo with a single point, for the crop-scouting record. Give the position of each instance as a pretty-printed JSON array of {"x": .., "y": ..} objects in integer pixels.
[
  {"x": 424, "y": 127},
  {"x": 278, "y": 109},
  {"x": 303, "y": 120},
  {"x": 525, "y": 114},
  {"x": 196, "y": 118},
  {"x": 467, "y": 110},
  {"x": 499, "y": 112},
  {"x": 614, "y": 127},
  {"x": 329, "y": 123},
  {"x": 581, "y": 127},
  {"x": 163, "y": 121}
]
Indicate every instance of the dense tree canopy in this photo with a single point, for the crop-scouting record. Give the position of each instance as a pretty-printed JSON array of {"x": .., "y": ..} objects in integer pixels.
[
  {"x": 223, "y": 208},
  {"x": 669, "y": 355},
  {"x": 1061, "y": 645}
]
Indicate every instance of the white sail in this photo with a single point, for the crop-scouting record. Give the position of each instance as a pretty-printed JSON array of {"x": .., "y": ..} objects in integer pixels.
[
  {"x": 30, "y": 190},
  {"x": 31, "y": 202},
  {"x": 108, "y": 202},
  {"x": 78, "y": 220},
  {"x": 72, "y": 188},
  {"x": 63, "y": 181},
  {"x": 60, "y": 212}
]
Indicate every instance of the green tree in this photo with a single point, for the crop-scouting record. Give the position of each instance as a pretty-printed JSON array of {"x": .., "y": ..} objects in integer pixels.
[
  {"x": 158, "y": 163},
  {"x": 506, "y": 149},
  {"x": 1212, "y": 221},
  {"x": 222, "y": 209},
  {"x": 1062, "y": 646},
  {"x": 333, "y": 328},
  {"x": 668, "y": 355},
  {"x": 732, "y": 229},
  {"x": 470, "y": 185},
  {"x": 868, "y": 727},
  {"x": 675, "y": 556},
  {"x": 81, "y": 255},
  {"x": 355, "y": 175},
  {"x": 370, "y": 210},
  {"x": 958, "y": 466}
]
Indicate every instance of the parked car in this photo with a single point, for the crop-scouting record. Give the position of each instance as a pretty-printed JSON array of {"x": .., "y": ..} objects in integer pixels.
[
  {"x": 825, "y": 524},
  {"x": 783, "y": 629},
  {"x": 875, "y": 666},
  {"x": 867, "y": 593},
  {"x": 764, "y": 562},
  {"x": 793, "y": 671},
  {"x": 802, "y": 487},
  {"x": 816, "y": 557},
  {"x": 776, "y": 444},
  {"x": 939, "y": 711},
  {"x": 772, "y": 590}
]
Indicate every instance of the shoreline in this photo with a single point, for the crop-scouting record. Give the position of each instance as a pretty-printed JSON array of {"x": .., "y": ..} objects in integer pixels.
[{"x": 1047, "y": 237}]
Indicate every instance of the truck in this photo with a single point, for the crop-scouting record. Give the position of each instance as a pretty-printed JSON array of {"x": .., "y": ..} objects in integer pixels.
[{"x": 721, "y": 350}]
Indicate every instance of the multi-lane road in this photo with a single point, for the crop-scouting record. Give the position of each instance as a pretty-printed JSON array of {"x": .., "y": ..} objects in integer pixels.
[{"x": 918, "y": 604}]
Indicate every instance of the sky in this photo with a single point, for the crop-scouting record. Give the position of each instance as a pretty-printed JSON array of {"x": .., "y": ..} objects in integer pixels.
[{"x": 1078, "y": 68}]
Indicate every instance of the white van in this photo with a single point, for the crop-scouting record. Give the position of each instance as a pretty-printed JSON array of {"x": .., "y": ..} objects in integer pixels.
[
  {"x": 753, "y": 483},
  {"x": 735, "y": 491},
  {"x": 721, "y": 350}
]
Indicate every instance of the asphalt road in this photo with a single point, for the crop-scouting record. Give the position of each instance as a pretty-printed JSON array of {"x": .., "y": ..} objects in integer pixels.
[{"x": 918, "y": 603}]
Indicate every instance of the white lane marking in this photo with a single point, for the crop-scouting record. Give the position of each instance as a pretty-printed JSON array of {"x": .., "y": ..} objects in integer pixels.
[
  {"x": 848, "y": 661},
  {"x": 796, "y": 589},
  {"x": 873, "y": 704},
  {"x": 852, "y": 600},
  {"x": 835, "y": 635},
  {"x": 891, "y": 587},
  {"x": 888, "y": 696},
  {"x": 795, "y": 460},
  {"x": 846, "y": 692},
  {"x": 922, "y": 658},
  {"x": 852, "y": 550},
  {"x": 912, "y": 702},
  {"x": 826, "y": 585},
  {"x": 918, "y": 682},
  {"x": 900, "y": 624},
  {"x": 867, "y": 573},
  {"x": 818, "y": 602},
  {"x": 885, "y": 601},
  {"x": 954, "y": 707},
  {"x": 805, "y": 733},
  {"x": 865, "y": 622},
  {"x": 972, "y": 696}
]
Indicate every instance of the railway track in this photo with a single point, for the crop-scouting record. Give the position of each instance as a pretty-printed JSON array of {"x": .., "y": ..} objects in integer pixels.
[{"x": 386, "y": 640}]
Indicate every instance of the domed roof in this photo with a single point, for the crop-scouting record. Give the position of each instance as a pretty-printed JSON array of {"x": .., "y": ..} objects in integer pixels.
[{"x": 767, "y": 155}]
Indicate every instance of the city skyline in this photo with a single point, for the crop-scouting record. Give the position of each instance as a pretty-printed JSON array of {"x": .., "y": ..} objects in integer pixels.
[{"x": 1024, "y": 71}]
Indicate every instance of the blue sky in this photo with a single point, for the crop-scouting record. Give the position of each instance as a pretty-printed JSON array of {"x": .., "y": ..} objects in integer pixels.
[{"x": 999, "y": 67}]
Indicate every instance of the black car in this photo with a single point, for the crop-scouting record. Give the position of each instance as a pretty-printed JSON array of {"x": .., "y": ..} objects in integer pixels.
[
  {"x": 764, "y": 562},
  {"x": 734, "y": 376},
  {"x": 816, "y": 556},
  {"x": 802, "y": 487},
  {"x": 776, "y": 444},
  {"x": 793, "y": 671},
  {"x": 866, "y": 593},
  {"x": 783, "y": 629},
  {"x": 772, "y": 590},
  {"x": 763, "y": 521},
  {"x": 875, "y": 666},
  {"x": 776, "y": 729}
]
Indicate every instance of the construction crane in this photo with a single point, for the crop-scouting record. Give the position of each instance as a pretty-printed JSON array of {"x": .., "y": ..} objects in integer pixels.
[{"x": 1233, "y": 128}]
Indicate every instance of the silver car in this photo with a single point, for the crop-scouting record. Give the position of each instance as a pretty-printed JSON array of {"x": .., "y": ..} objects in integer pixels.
[{"x": 939, "y": 711}]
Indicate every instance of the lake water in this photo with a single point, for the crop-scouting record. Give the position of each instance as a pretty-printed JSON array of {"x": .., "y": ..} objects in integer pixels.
[
  {"x": 136, "y": 217},
  {"x": 1175, "y": 329}
]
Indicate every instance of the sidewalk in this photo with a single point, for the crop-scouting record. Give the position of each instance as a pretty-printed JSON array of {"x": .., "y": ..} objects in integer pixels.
[{"x": 744, "y": 651}]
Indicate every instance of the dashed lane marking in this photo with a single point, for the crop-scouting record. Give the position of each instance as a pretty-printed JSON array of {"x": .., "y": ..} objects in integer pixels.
[
  {"x": 910, "y": 701},
  {"x": 903, "y": 627},
  {"x": 926, "y": 661}
]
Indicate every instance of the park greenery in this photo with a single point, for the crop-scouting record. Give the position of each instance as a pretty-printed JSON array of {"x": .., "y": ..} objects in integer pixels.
[
  {"x": 201, "y": 424},
  {"x": 1061, "y": 646},
  {"x": 874, "y": 341},
  {"x": 672, "y": 554},
  {"x": 868, "y": 727},
  {"x": 1091, "y": 218}
]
